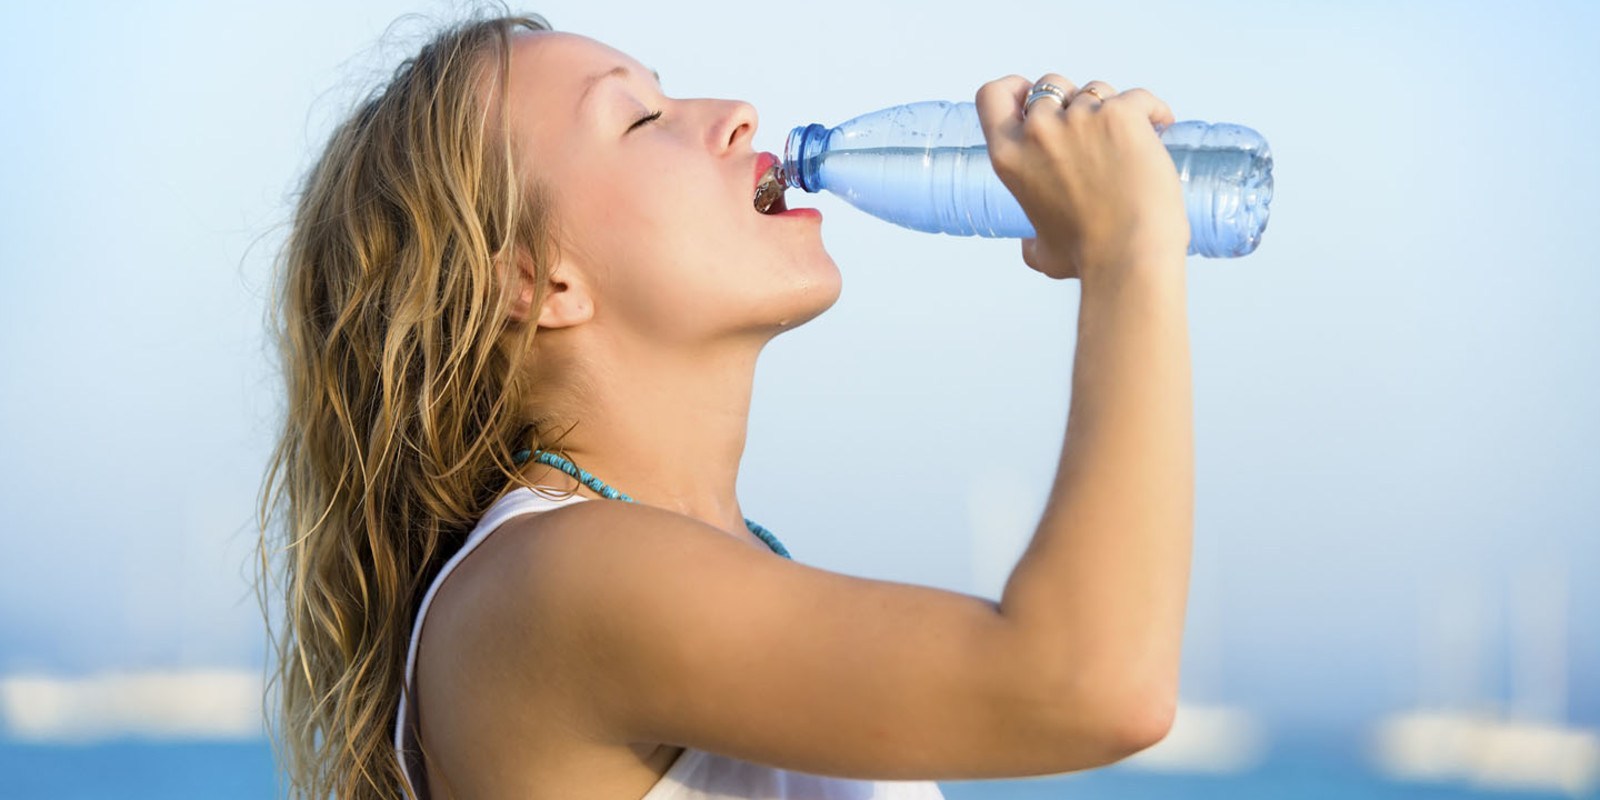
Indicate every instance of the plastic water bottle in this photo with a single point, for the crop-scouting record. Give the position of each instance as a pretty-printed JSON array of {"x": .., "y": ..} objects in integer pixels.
[{"x": 925, "y": 166}]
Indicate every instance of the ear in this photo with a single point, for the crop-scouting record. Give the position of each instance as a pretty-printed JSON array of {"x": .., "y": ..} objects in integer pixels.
[{"x": 567, "y": 299}]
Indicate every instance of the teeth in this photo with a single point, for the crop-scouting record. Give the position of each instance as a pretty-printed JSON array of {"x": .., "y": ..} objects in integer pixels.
[{"x": 770, "y": 189}]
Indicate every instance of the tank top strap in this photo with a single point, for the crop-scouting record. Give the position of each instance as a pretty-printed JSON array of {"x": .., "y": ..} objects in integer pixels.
[{"x": 518, "y": 501}]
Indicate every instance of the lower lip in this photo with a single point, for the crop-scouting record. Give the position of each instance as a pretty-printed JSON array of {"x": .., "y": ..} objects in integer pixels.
[{"x": 799, "y": 212}]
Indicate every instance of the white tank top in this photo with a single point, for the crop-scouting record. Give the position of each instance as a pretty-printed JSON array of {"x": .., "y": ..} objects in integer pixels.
[{"x": 695, "y": 774}]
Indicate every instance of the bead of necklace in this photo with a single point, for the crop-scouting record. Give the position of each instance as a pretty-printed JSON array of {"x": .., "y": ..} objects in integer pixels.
[{"x": 544, "y": 457}]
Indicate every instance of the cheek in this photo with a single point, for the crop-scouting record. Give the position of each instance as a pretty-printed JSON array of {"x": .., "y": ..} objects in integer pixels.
[
  {"x": 658, "y": 208},
  {"x": 673, "y": 254},
  {"x": 664, "y": 262},
  {"x": 681, "y": 232}
]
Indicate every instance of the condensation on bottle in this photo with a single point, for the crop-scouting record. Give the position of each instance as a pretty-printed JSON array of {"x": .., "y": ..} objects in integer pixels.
[{"x": 925, "y": 166}]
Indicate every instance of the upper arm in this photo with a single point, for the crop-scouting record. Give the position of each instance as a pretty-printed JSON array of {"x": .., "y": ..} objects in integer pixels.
[{"x": 671, "y": 631}]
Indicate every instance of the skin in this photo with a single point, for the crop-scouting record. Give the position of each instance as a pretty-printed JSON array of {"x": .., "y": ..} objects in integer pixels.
[
  {"x": 567, "y": 652},
  {"x": 669, "y": 284}
]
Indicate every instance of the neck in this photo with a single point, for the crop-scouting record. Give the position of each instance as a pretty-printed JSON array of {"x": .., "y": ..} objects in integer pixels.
[{"x": 666, "y": 429}]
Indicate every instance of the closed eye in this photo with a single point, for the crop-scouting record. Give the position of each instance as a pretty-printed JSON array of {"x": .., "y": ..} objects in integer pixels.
[{"x": 650, "y": 118}]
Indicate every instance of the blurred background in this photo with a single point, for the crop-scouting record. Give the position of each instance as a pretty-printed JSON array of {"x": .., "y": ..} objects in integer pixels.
[{"x": 1396, "y": 395}]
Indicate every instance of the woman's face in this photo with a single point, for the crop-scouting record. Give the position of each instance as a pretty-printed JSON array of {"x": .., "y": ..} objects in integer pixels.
[{"x": 657, "y": 214}]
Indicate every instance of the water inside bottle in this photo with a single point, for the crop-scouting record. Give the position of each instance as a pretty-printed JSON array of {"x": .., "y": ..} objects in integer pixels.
[
  {"x": 1227, "y": 190},
  {"x": 1227, "y": 193},
  {"x": 891, "y": 182}
]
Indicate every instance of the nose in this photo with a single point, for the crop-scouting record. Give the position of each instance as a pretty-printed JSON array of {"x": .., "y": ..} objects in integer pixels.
[{"x": 736, "y": 125}]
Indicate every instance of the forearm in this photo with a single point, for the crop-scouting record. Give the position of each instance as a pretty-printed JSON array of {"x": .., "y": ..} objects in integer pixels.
[{"x": 1100, "y": 592}]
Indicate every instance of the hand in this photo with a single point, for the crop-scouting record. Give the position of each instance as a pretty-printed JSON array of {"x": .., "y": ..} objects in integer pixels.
[{"x": 1092, "y": 176}]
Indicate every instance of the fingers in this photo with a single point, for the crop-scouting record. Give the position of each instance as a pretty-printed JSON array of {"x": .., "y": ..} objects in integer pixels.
[
  {"x": 1044, "y": 116},
  {"x": 1086, "y": 171},
  {"x": 1050, "y": 102},
  {"x": 1149, "y": 105},
  {"x": 1040, "y": 262},
  {"x": 1000, "y": 101},
  {"x": 1094, "y": 92},
  {"x": 999, "y": 104}
]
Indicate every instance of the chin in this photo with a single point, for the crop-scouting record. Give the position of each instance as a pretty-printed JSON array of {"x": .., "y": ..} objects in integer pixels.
[
  {"x": 796, "y": 295},
  {"x": 814, "y": 294}
]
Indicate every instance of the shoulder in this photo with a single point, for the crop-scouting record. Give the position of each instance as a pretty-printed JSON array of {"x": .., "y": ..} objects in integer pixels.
[
  {"x": 545, "y": 571},
  {"x": 492, "y": 585},
  {"x": 552, "y": 601},
  {"x": 540, "y": 585},
  {"x": 529, "y": 596}
]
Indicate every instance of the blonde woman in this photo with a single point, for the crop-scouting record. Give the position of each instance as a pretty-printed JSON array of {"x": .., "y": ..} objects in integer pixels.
[{"x": 519, "y": 313}]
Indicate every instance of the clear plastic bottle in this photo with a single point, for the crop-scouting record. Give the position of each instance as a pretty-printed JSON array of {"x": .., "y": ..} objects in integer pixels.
[{"x": 926, "y": 166}]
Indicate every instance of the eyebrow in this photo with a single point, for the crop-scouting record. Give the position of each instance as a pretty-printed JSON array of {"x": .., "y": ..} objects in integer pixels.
[{"x": 615, "y": 72}]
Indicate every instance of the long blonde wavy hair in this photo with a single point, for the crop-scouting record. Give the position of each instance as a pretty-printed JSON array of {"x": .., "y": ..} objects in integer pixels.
[{"x": 407, "y": 392}]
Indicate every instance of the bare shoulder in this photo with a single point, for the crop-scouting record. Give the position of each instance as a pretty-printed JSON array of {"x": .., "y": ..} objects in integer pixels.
[
  {"x": 643, "y": 625},
  {"x": 500, "y": 712},
  {"x": 478, "y": 624}
]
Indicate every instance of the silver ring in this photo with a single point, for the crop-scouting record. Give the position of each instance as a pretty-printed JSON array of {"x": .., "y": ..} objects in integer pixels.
[{"x": 1042, "y": 90}]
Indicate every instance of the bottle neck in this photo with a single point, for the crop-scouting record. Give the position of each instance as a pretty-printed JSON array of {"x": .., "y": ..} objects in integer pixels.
[{"x": 802, "y": 156}]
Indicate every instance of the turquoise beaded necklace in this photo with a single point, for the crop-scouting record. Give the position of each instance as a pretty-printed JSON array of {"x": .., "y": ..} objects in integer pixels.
[{"x": 544, "y": 457}]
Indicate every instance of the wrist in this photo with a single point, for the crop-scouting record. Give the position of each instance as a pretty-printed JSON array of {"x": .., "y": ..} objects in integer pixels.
[{"x": 1155, "y": 270}]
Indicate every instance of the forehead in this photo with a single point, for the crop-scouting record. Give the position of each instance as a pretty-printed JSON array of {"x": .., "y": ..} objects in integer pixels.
[
  {"x": 554, "y": 67},
  {"x": 548, "y": 74}
]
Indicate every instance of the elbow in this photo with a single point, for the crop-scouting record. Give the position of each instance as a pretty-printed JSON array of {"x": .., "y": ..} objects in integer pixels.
[
  {"x": 1144, "y": 720},
  {"x": 1099, "y": 711},
  {"x": 1127, "y": 718},
  {"x": 1139, "y": 705}
]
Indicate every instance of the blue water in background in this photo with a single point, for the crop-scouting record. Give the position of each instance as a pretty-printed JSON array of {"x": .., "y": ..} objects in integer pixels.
[{"x": 243, "y": 771}]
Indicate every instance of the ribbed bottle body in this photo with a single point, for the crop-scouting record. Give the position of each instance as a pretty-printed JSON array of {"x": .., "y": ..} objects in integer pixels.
[{"x": 925, "y": 166}]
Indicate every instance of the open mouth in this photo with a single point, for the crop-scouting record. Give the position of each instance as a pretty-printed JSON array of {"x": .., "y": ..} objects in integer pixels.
[{"x": 769, "y": 191}]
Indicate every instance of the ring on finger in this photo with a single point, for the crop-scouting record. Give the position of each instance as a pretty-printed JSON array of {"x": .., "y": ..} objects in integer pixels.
[
  {"x": 1043, "y": 90},
  {"x": 1093, "y": 91}
]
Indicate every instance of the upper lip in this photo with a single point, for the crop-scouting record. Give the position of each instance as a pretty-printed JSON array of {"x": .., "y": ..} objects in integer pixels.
[{"x": 764, "y": 162}]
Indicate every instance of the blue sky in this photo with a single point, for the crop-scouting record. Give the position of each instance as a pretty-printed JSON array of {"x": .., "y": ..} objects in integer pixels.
[{"x": 1397, "y": 391}]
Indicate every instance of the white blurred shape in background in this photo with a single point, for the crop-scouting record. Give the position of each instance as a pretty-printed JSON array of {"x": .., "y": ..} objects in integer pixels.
[
  {"x": 1460, "y": 731},
  {"x": 202, "y": 704}
]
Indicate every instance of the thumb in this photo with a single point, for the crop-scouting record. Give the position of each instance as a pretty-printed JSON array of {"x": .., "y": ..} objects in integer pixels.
[{"x": 1044, "y": 261}]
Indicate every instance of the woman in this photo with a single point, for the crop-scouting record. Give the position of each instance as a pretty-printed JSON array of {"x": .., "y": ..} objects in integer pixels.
[{"x": 519, "y": 258}]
